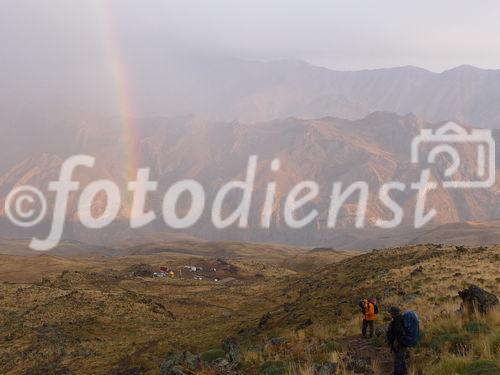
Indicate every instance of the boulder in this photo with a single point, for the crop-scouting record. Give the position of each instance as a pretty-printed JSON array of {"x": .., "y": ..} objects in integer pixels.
[
  {"x": 305, "y": 323},
  {"x": 170, "y": 364},
  {"x": 230, "y": 346},
  {"x": 476, "y": 299},
  {"x": 191, "y": 361},
  {"x": 328, "y": 368},
  {"x": 359, "y": 365},
  {"x": 275, "y": 341},
  {"x": 223, "y": 367},
  {"x": 174, "y": 362},
  {"x": 264, "y": 319}
]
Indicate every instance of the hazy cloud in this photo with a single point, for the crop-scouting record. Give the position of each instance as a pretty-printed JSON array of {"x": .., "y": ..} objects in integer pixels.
[{"x": 342, "y": 34}]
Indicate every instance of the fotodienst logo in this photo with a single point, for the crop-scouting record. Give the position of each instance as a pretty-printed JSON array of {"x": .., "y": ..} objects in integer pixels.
[
  {"x": 445, "y": 141},
  {"x": 26, "y": 206}
]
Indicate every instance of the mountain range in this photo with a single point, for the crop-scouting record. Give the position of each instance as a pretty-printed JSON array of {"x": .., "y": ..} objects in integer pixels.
[
  {"x": 228, "y": 89},
  {"x": 375, "y": 149},
  {"x": 259, "y": 91}
]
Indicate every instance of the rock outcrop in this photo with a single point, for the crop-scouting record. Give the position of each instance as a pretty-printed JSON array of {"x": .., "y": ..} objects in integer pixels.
[{"x": 476, "y": 299}]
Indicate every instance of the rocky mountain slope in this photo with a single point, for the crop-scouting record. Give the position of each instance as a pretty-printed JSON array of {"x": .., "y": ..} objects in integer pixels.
[{"x": 374, "y": 150}]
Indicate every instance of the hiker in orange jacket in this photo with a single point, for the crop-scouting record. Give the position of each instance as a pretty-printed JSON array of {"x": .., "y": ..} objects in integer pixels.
[{"x": 369, "y": 310}]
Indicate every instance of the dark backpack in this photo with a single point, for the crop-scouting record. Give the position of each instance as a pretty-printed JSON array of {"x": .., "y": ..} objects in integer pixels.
[
  {"x": 412, "y": 328},
  {"x": 375, "y": 308}
]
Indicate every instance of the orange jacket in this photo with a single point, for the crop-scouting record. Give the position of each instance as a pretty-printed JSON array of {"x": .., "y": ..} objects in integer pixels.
[{"x": 368, "y": 310}]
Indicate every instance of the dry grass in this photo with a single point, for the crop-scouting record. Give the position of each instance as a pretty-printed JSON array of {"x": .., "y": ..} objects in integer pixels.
[
  {"x": 448, "y": 346},
  {"x": 97, "y": 319}
]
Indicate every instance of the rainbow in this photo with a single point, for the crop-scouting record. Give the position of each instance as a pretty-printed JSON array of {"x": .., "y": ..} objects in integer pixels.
[{"x": 123, "y": 91}]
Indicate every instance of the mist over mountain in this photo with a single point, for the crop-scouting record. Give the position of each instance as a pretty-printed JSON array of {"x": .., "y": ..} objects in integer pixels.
[
  {"x": 375, "y": 149},
  {"x": 201, "y": 118},
  {"x": 232, "y": 89}
]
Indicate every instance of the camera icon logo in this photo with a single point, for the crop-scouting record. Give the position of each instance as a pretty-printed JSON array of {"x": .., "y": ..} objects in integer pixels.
[{"x": 447, "y": 140}]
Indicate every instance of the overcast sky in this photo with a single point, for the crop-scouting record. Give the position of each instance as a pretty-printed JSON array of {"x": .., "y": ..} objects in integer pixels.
[{"x": 339, "y": 34}]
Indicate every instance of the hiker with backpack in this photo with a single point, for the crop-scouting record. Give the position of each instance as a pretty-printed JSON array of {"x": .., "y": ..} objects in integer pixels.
[
  {"x": 369, "y": 309},
  {"x": 403, "y": 333}
]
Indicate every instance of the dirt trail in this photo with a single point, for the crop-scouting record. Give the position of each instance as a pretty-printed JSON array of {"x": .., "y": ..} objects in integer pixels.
[{"x": 363, "y": 350}]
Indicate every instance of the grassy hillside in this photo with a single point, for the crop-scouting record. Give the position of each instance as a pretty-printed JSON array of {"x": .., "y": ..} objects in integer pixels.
[
  {"x": 92, "y": 316},
  {"x": 424, "y": 278}
]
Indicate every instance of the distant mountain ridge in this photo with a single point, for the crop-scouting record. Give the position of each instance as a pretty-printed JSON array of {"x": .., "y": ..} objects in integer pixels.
[
  {"x": 375, "y": 149},
  {"x": 229, "y": 89}
]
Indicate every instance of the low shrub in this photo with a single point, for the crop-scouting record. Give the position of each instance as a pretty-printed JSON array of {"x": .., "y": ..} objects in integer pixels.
[
  {"x": 212, "y": 354},
  {"x": 455, "y": 343},
  {"x": 495, "y": 344},
  {"x": 273, "y": 368},
  {"x": 460, "y": 344},
  {"x": 446, "y": 326},
  {"x": 448, "y": 366},
  {"x": 378, "y": 341},
  {"x": 436, "y": 342},
  {"x": 482, "y": 367},
  {"x": 329, "y": 346},
  {"x": 476, "y": 327}
]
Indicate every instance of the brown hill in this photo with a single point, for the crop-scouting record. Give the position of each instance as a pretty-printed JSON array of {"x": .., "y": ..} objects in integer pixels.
[{"x": 470, "y": 232}]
